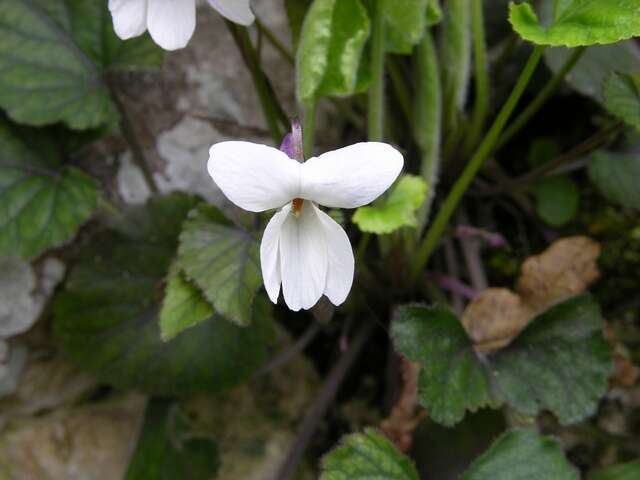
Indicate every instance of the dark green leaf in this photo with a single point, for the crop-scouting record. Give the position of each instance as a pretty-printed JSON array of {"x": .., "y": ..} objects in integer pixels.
[
  {"x": 560, "y": 362},
  {"x": 43, "y": 202},
  {"x": 522, "y": 455},
  {"x": 617, "y": 176},
  {"x": 53, "y": 56},
  {"x": 434, "y": 12},
  {"x": 331, "y": 45},
  {"x": 168, "y": 450},
  {"x": 406, "y": 21},
  {"x": 578, "y": 22},
  {"x": 397, "y": 210},
  {"x": 296, "y": 11},
  {"x": 106, "y": 319},
  {"x": 622, "y": 97},
  {"x": 624, "y": 471},
  {"x": 183, "y": 305},
  {"x": 224, "y": 261},
  {"x": 595, "y": 65},
  {"x": 365, "y": 456},
  {"x": 557, "y": 199},
  {"x": 452, "y": 380}
]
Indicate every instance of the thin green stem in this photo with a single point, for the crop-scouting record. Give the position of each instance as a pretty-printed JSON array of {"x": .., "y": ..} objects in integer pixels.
[
  {"x": 481, "y": 76},
  {"x": 399, "y": 87},
  {"x": 273, "y": 112},
  {"x": 450, "y": 204},
  {"x": 308, "y": 128},
  {"x": 541, "y": 99},
  {"x": 277, "y": 44},
  {"x": 376, "y": 91}
]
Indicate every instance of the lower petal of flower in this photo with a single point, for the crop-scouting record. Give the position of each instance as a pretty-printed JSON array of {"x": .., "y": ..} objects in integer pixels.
[{"x": 270, "y": 254}]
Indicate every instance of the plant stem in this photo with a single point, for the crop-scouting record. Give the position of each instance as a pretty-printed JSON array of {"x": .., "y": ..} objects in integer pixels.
[
  {"x": 541, "y": 99},
  {"x": 376, "y": 91},
  {"x": 277, "y": 44},
  {"x": 129, "y": 134},
  {"x": 308, "y": 128},
  {"x": 399, "y": 88},
  {"x": 271, "y": 109},
  {"x": 481, "y": 76},
  {"x": 441, "y": 220}
]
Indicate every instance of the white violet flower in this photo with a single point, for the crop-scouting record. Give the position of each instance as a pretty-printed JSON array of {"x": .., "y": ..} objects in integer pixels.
[
  {"x": 304, "y": 249},
  {"x": 171, "y": 23}
]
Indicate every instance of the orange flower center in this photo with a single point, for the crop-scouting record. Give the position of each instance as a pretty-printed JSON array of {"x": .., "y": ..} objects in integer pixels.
[{"x": 296, "y": 205}]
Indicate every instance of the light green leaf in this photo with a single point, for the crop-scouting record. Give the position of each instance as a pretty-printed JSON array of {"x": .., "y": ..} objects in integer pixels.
[
  {"x": 622, "y": 97},
  {"x": 169, "y": 450},
  {"x": 579, "y": 22},
  {"x": 560, "y": 362},
  {"x": 397, "y": 210},
  {"x": 333, "y": 37},
  {"x": 42, "y": 201},
  {"x": 595, "y": 65},
  {"x": 183, "y": 305},
  {"x": 365, "y": 456},
  {"x": 434, "y": 12},
  {"x": 557, "y": 199},
  {"x": 623, "y": 471},
  {"x": 522, "y": 455},
  {"x": 106, "y": 318},
  {"x": 617, "y": 176},
  {"x": 406, "y": 21},
  {"x": 223, "y": 261},
  {"x": 452, "y": 380},
  {"x": 53, "y": 57}
]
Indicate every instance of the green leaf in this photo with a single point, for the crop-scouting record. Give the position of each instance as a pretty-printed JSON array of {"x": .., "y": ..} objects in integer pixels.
[
  {"x": 53, "y": 57},
  {"x": 522, "y": 455},
  {"x": 333, "y": 37},
  {"x": 223, "y": 261},
  {"x": 296, "y": 11},
  {"x": 434, "y": 12},
  {"x": 168, "y": 450},
  {"x": 596, "y": 65},
  {"x": 406, "y": 21},
  {"x": 183, "y": 305},
  {"x": 560, "y": 362},
  {"x": 452, "y": 380},
  {"x": 622, "y": 97},
  {"x": 43, "y": 202},
  {"x": 106, "y": 319},
  {"x": 623, "y": 471},
  {"x": 397, "y": 210},
  {"x": 617, "y": 176},
  {"x": 365, "y": 456},
  {"x": 557, "y": 199},
  {"x": 579, "y": 22}
]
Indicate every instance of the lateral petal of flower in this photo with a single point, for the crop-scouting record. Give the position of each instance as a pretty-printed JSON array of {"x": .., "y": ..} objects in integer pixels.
[
  {"x": 303, "y": 257},
  {"x": 171, "y": 22},
  {"x": 254, "y": 177},
  {"x": 352, "y": 176},
  {"x": 341, "y": 264},
  {"x": 238, "y": 11},
  {"x": 270, "y": 254},
  {"x": 129, "y": 17}
]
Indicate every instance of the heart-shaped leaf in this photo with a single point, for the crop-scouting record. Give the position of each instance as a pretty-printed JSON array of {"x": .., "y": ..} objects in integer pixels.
[
  {"x": 42, "y": 201},
  {"x": 622, "y": 97},
  {"x": 617, "y": 176},
  {"x": 53, "y": 58},
  {"x": 106, "y": 319}
]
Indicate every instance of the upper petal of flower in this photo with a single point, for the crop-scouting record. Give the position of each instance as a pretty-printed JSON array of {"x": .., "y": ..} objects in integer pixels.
[
  {"x": 254, "y": 177},
  {"x": 129, "y": 17},
  {"x": 352, "y": 176},
  {"x": 171, "y": 22},
  {"x": 340, "y": 259},
  {"x": 238, "y": 11},
  {"x": 270, "y": 254},
  {"x": 303, "y": 258}
]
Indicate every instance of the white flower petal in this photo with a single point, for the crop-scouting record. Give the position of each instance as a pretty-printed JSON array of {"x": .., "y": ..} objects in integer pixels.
[
  {"x": 129, "y": 17},
  {"x": 172, "y": 22},
  {"x": 270, "y": 254},
  {"x": 238, "y": 11},
  {"x": 352, "y": 176},
  {"x": 340, "y": 260},
  {"x": 254, "y": 177},
  {"x": 303, "y": 257}
]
